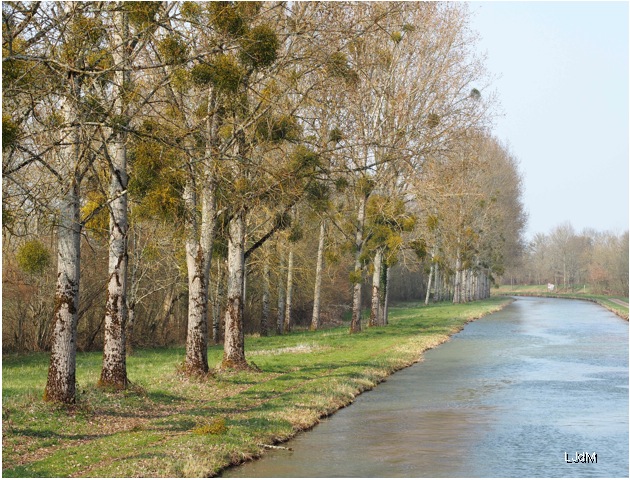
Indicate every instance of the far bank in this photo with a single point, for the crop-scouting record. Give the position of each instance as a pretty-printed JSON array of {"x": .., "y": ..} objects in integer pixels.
[{"x": 616, "y": 304}]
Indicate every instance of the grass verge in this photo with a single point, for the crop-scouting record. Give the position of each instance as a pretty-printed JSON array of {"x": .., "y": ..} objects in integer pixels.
[
  {"x": 606, "y": 301},
  {"x": 170, "y": 426}
]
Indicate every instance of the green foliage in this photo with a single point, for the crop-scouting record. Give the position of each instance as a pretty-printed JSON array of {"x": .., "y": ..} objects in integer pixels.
[
  {"x": 156, "y": 180},
  {"x": 432, "y": 222},
  {"x": 338, "y": 64},
  {"x": 433, "y": 120},
  {"x": 173, "y": 49},
  {"x": 54, "y": 120},
  {"x": 8, "y": 218},
  {"x": 226, "y": 18},
  {"x": 226, "y": 131},
  {"x": 180, "y": 79},
  {"x": 318, "y": 195},
  {"x": 365, "y": 185},
  {"x": 142, "y": 14},
  {"x": 259, "y": 47},
  {"x": 387, "y": 220},
  {"x": 355, "y": 276},
  {"x": 408, "y": 28},
  {"x": 33, "y": 257},
  {"x": 225, "y": 74},
  {"x": 191, "y": 11},
  {"x": 283, "y": 220},
  {"x": 338, "y": 67},
  {"x": 10, "y": 131},
  {"x": 93, "y": 109},
  {"x": 84, "y": 36},
  {"x": 296, "y": 233},
  {"x": 303, "y": 158},
  {"x": 202, "y": 74},
  {"x": 278, "y": 128},
  {"x": 419, "y": 246},
  {"x": 396, "y": 37},
  {"x": 332, "y": 257},
  {"x": 216, "y": 426},
  {"x": 249, "y": 9},
  {"x": 341, "y": 183},
  {"x": 99, "y": 223},
  {"x": 99, "y": 60},
  {"x": 335, "y": 135}
]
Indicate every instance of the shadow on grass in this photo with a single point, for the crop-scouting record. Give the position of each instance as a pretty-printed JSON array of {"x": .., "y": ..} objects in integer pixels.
[{"x": 52, "y": 434}]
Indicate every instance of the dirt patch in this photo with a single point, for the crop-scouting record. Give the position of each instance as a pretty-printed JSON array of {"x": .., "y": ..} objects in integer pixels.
[{"x": 619, "y": 302}]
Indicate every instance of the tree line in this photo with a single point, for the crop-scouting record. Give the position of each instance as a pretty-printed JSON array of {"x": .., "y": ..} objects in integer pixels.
[
  {"x": 240, "y": 166},
  {"x": 572, "y": 261}
]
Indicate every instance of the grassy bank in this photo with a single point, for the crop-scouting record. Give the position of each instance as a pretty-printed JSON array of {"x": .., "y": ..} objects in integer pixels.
[
  {"x": 606, "y": 301},
  {"x": 167, "y": 426}
]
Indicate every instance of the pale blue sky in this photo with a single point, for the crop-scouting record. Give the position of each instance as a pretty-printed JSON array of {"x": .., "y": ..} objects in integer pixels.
[{"x": 563, "y": 89}]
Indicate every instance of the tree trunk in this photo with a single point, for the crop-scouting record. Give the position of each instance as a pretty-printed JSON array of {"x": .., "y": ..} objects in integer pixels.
[
  {"x": 384, "y": 308},
  {"x": 234, "y": 345},
  {"x": 199, "y": 252},
  {"x": 287, "y": 315},
  {"x": 437, "y": 296},
  {"x": 61, "y": 382},
  {"x": 280, "y": 320},
  {"x": 131, "y": 318},
  {"x": 264, "y": 319},
  {"x": 376, "y": 289},
  {"x": 427, "y": 296},
  {"x": 457, "y": 288},
  {"x": 196, "y": 361},
  {"x": 355, "y": 323},
  {"x": 216, "y": 307},
  {"x": 318, "y": 277},
  {"x": 114, "y": 371},
  {"x": 60, "y": 386}
]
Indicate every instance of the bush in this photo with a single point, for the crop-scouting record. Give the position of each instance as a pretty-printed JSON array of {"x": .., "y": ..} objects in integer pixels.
[{"x": 33, "y": 257}]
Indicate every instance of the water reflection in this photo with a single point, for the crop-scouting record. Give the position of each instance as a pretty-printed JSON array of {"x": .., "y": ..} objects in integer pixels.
[{"x": 507, "y": 397}]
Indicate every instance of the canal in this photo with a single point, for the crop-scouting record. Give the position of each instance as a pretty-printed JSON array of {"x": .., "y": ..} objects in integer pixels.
[{"x": 524, "y": 392}]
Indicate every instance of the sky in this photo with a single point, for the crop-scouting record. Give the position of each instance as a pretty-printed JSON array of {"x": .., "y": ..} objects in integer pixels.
[{"x": 561, "y": 77}]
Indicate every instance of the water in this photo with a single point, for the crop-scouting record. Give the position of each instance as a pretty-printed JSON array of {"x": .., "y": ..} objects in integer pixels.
[{"x": 514, "y": 394}]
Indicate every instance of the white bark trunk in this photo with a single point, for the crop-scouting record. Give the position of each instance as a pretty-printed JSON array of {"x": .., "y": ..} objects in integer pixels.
[
  {"x": 289, "y": 301},
  {"x": 437, "y": 296},
  {"x": 114, "y": 371},
  {"x": 376, "y": 289},
  {"x": 427, "y": 296},
  {"x": 457, "y": 288},
  {"x": 280, "y": 320},
  {"x": 318, "y": 277},
  {"x": 266, "y": 298},
  {"x": 60, "y": 386},
  {"x": 199, "y": 251},
  {"x": 234, "y": 345},
  {"x": 355, "y": 323},
  {"x": 196, "y": 361},
  {"x": 216, "y": 308}
]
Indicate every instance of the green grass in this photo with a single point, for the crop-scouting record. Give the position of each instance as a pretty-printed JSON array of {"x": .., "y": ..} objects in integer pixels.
[
  {"x": 170, "y": 426},
  {"x": 578, "y": 292}
]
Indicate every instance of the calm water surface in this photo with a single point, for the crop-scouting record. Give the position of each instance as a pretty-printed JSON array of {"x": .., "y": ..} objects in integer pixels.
[{"x": 509, "y": 396}]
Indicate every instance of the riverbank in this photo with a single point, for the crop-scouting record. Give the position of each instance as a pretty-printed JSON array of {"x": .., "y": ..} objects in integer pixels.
[
  {"x": 168, "y": 426},
  {"x": 616, "y": 304}
]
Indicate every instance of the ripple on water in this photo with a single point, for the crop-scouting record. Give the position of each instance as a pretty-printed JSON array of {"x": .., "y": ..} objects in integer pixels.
[{"x": 507, "y": 397}]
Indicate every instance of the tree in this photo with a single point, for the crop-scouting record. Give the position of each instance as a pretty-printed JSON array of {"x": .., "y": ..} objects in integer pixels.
[{"x": 66, "y": 41}]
